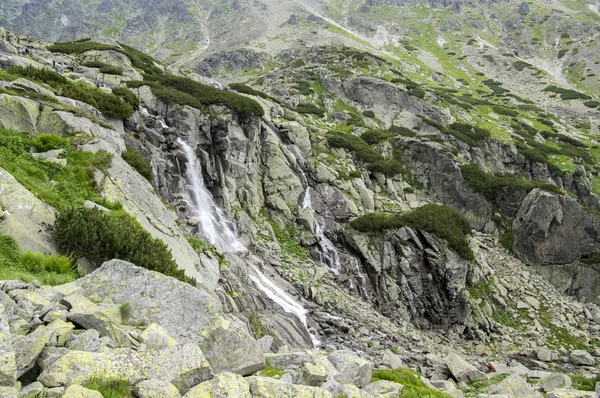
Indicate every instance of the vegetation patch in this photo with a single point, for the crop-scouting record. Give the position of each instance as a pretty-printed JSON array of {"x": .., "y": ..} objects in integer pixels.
[
  {"x": 288, "y": 242},
  {"x": 566, "y": 93},
  {"x": 29, "y": 266},
  {"x": 558, "y": 335},
  {"x": 246, "y": 89},
  {"x": 373, "y": 160},
  {"x": 442, "y": 221},
  {"x": 104, "y": 67},
  {"x": 310, "y": 109},
  {"x": 414, "y": 387},
  {"x": 481, "y": 386},
  {"x": 109, "y": 388},
  {"x": 109, "y": 104},
  {"x": 583, "y": 383},
  {"x": 100, "y": 236},
  {"x": 491, "y": 185},
  {"x": 138, "y": 161}
]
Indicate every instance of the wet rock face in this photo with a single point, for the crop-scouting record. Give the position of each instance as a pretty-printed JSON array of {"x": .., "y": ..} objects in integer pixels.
[{"x": 415, "y": 278}]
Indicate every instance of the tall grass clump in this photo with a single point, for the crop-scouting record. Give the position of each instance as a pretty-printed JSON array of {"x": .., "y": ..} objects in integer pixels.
[{"x": 414, "y": 387}]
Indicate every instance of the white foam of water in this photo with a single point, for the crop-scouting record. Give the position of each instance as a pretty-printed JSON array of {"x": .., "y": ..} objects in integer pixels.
[{"x": 212, "y": 221}]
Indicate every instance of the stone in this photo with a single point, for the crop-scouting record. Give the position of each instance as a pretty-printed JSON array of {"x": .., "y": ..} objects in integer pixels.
[
  {"x": 77, "y": 391},
  {"x": 514, "y": 386},
  {"x": 55, "y": 392},
  {"x": 223, "y": 385},
  {"x": 582, "y": 357},
  {"x": 538, "y": 374},
  {"x": 391, "y": 360},
  {"x": 19, "y": 113},
  {"x": 544, "y": 354},
  {"x": 27, "y": 216},
  {"x": 87, "y": 341},
  {"x": 50, "y": 355},
  {"x": 533, "y": 302},
  {"x": 52, "y": 156},
  {"x": 383, "y": 389},
  {"x": 352, "y": 368},
  {"x": 155, "y": 337},
  {"x": 34, "y": 389},
  {"x": 8, "y": 392},
  {"x": 166, "y": 301},
  {"x": 26, "y": 86},
  {"x": 28, "y": 348},
  {"x": 287, "y": 360},
  {"x": 462, "y": 370},
  {"x": 570, "y": 393},
  {"x": 265, "y": 387},
  {"x": 63, "y": 330},
  {"x": 8, "y": 364},
  {"x": 154, "y": 388},
  {"x": 314, "y": 374},
  {"x": 183, "y": 365},
  {"x": 555, "y": 381}
]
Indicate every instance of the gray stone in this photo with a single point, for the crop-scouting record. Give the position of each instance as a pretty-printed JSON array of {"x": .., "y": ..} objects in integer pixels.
[
  {"x": 582, "y": 357},
  {"x": 34, "y": 389},
  {"x": 383, "y": 389},
  {"x": 570, "y": 393},
  {"x": 28, "y": 348},
  {"x": 87, "y": 341},
  {"x": 8, "y": 364},
  {"x": 223, "y": 385},
  {"x": 183, "y": 365},
  {"x": 391, "y": 360},
  {"x": 514, "y": 386},
  {"x": 265, "y": 387},
  {"x": 77, "y": 391},
  {"x": 314, "y": 374},
  {"x": 166, "y": 302},
  {"x": 544, "y": 354},
  {"x": 462, "y": 370},
  {"x": 555, "y": 381},
  {"x": 537, "y": 374},
  {"x": 352, "y": 368},
  {"x": 55, "y": 392},
  {"x": 154, "y": 388},
  {"x": 26, "y": 86},
  {"x": 50, "y": 355}
]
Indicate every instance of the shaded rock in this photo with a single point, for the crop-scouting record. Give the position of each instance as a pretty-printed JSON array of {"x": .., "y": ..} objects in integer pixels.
[
  {"x": 555, "y": 381},
  {"x": 49, "y": 355},
  {"x": 352, "y": 368},
  {"x": 34, "y": 389},
  {"x": 570, "y": 393},
  {"x": 8, "y": 364},
  {"x": 462, "y": 370},
  {"x": 28, "y": 348},
  {"x": 63, "y": 330},
  {"x": 184, "y": 366},
  {"x": 77, "y": 391},
  {"x": 55, "y": 392},
  {"x": 87, "y": 341},
  {"x": 314, "y": 374},
  {"x": 153, "y": 388},
  {"x": 582, "y": 357},
  {"x": 383, "y": 389},
  {"x": 224, "y": 385},
  {"x": 514, "y": 386},
  {"x": 167, "y": 302}
]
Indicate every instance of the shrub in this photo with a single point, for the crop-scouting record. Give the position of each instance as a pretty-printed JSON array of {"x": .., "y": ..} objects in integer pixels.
[
  {"x": 127, "y": 95},
  {"x": 490, "y": 185},
  {"x": 203, "y": 94},
  {"x": 442, "y": 221},
  {"x": 376, "y": 136},
  {"x": 472, "y": 135},
  {"x": 310, "y": 109},
  {"x": 505, "y": 111},
  {"x": 109, "y": 388},
  {"x": 46, "y": 142},
  {"x": 244, "y": 88},
  {"x": 369, "y": 114},
  {"x": 583, "y": 383},
  {"x": 567, "y": 94},
  {"x": 104, "y": 67},
  {"x": 403, "y": 131},
  {"x": 288, "y": 242},
  {"x": 100, "y": 237},
  {"x": 138, "y": 161},
  {"x": 414, "y": 386},
  {"x": 591, "y": 104}
]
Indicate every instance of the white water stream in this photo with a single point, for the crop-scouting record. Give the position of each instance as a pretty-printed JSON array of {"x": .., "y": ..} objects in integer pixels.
[{"x": 219, "y": 231}]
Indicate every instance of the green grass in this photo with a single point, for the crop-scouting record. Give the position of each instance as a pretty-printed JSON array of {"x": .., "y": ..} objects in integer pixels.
[
  {"x": 567, "y": 94},
  {"x": 270, "y": 371},
  {"x": 442, "y": 221},
  {"x": 583, "y": 383},
  {"x": 288, "y": 242},
  {"x": 29, "y": 266},
  {"x": 559, "y": 336},
  {"x": 109, "y": 388},
  {"x": 125, "y": 311},
  {"x": 59, "y": 186},
  {"x": 481, "y": 386},
  {"x": 414, "y": 387}
]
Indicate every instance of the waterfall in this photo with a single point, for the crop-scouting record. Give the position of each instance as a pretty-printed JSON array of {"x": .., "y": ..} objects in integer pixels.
[
  {"x": 219, "y": 231},
  {"x": 213, "y": 223}
]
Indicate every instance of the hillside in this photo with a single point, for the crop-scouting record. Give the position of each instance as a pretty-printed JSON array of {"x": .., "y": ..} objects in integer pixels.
[{"x": 318, "y": 219}]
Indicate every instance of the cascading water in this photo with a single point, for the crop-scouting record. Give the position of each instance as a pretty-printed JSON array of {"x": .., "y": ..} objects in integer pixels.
[
  {"x": 215, "y": 226},
  {"x": 213, "y": 223}
]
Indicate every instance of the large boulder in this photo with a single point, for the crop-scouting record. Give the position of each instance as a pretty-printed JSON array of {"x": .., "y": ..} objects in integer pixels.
[
  {"x": 19, "y": 113},
  {"x": 554, "y": 229},
  {"x": 582, "y": 357},
  {"x": 570, "y": 393},
  {"x": 462, "y": 370},
  {"x": 29, "y": 347},
  {"x": 187, "y": 313},
  {"x": 153, "y": 388},
  {"x": 514, "y": 386},
  {"x": 26, "y": 218},
  {"x": 555, "y": 381},
  {"x": 8, "y": 365},
  {"x": 265, "y": 387},
  {"x": 352, "y": 368},
  {"x": 224, "y": 385},
  {"x": 383, "y": 389},
  {"x": 184, "y": 366},
  {"x": 77, "y": 391},
  {"x": 22, "y": 85}
]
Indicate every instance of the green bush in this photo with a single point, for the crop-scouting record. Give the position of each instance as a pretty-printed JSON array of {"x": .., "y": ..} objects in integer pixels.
[
  {"x": 507, "y": 240},
  {"x": 46, "y": 142},
  {"x": 310, "y": 109},
  {"x": 566, "y": 93},
  {"x": 469, "y": 134},
  {"x": 369, "y": 114},
  {"x": 402, "y": 131},
  {"x": 592, "y": 104},
  {"x": 414, "y": 386},
  {"x": 373, "y": 137},
  {"x": 442, "y": 221},
  {"x": 490, "y": 185},
  {"x": 182, "y": 89},
  {"x": 374, "y": 161},
  {"x": 109, "y": 388},
  {"x": 104, "y": 67},
  {"x": 109, "y": 104},
  {"x": 501, "y": 110},
  {"x": 100, "y": 236},
  {"x": 127, "y": 95},
  {"x": 244, "y": 88},
  {"x": 138, "y": 161}
]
